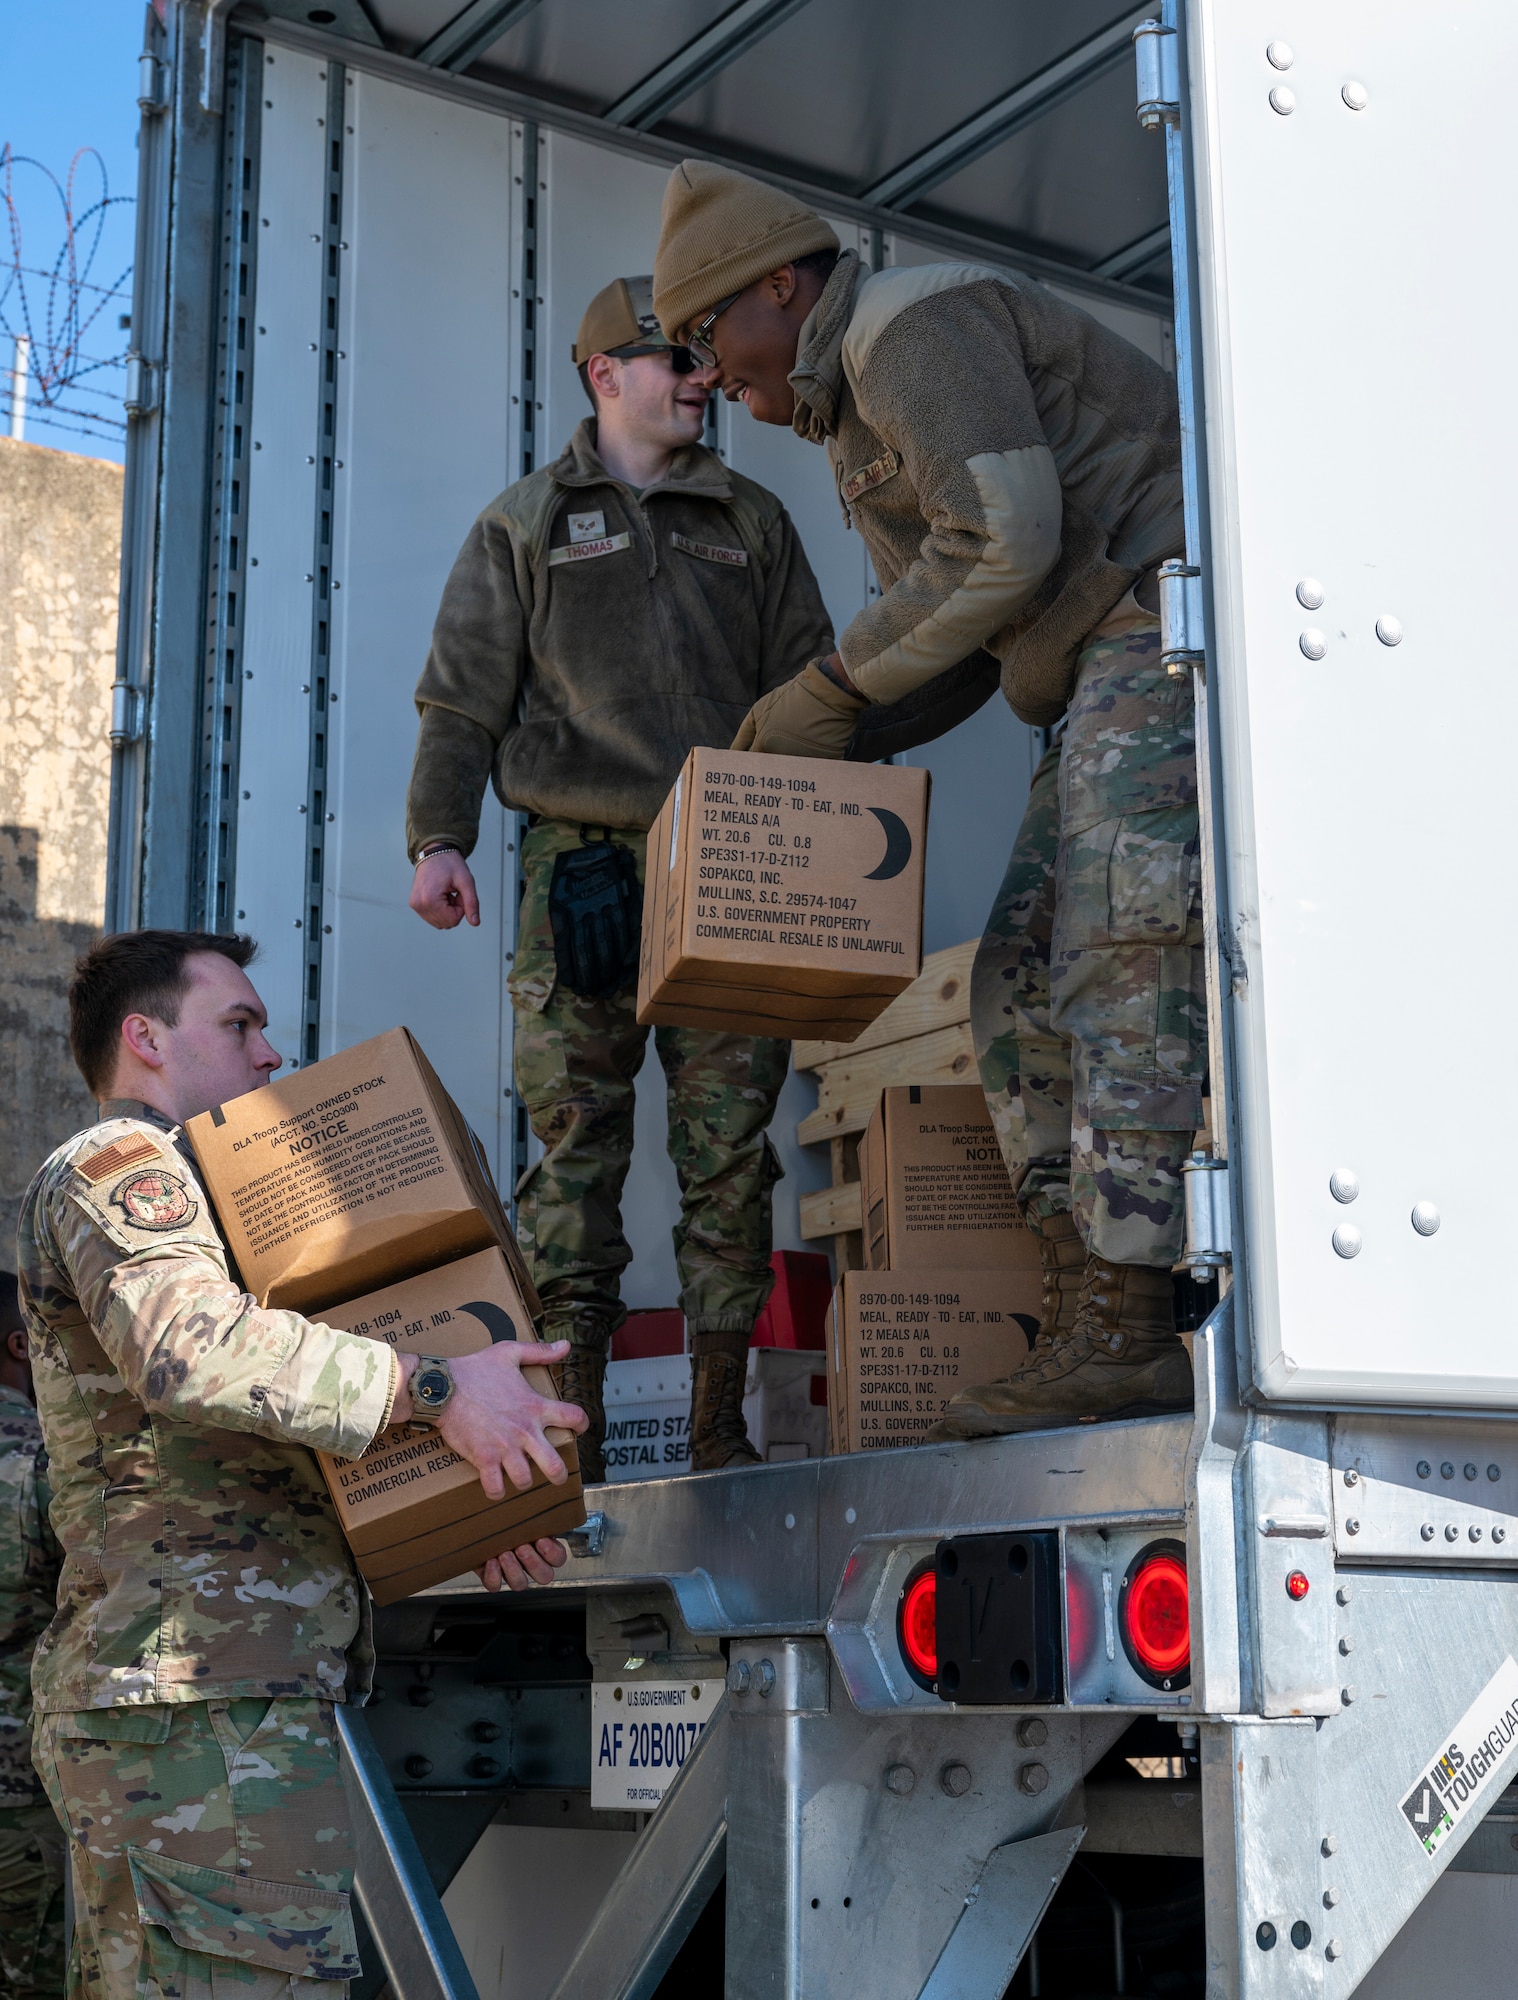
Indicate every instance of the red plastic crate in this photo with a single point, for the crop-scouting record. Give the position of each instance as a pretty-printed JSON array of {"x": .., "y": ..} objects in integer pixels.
[
  {"x": 797, "y": 1313},
  {"x": 643, "y": 1336}
]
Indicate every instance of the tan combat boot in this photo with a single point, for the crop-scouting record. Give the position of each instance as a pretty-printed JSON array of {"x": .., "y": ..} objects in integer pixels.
[
  {"x": 1063, "y": 1256},
  {"x": 718, "y": 1434},
  {"x": 1122, "y": 1358},
  {"x": 582, "y": 1378}
]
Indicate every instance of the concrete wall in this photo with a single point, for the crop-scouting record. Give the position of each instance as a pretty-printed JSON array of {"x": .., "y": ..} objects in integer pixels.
[{"x": 60, "y": 553}]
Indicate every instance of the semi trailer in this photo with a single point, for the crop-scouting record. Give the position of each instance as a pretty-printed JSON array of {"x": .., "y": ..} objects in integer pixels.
[{"x": 1221, "y": 1703}]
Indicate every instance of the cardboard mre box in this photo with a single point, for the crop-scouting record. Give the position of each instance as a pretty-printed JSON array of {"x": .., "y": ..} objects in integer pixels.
[
  {"x": 413, "y": 1511},
  {"x": 934, "y": 1186},
  {"x": 903, "y": 1342},
  {"x": 782, "y": 895},
  {"x": 351, "y": 1174}
]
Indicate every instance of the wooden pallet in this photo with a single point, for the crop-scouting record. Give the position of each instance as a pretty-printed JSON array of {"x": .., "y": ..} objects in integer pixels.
[{"x": 922, "y": 1037}]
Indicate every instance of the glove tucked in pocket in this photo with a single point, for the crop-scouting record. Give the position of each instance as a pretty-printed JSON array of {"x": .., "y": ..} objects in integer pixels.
[{"x": 595, "y": 905}]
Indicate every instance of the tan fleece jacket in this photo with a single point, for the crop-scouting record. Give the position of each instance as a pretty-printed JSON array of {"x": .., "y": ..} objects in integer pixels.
[
  {"x": 588, "y": 638},
  {"x": 1012, "y": 465}
]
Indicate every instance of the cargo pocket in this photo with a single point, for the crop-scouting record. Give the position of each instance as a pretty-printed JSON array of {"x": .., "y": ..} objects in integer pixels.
[
  {"x": 1132, "y": 880},
  {"x": 291, "y": 1928}
]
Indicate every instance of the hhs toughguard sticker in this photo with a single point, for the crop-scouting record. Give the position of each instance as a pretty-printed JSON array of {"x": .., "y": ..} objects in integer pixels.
[
  {"x": 1467, "y": 1769},
  {"x": 155, "y": 1200}
]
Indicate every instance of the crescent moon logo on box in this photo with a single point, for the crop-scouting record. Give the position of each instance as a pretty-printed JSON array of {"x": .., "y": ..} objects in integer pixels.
[
  {"x": 898, "y": 850},
  {"x": 495, "y": 1319}
]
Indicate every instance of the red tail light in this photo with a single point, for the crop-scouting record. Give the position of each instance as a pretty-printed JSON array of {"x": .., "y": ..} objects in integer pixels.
[
  {"x": 917, "y": 1625},
  {"x": 1156, "y": 1615}
]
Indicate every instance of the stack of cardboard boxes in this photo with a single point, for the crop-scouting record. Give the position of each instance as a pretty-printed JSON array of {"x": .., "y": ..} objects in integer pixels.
[
  {"x": 354, "y": 1192},
  {"x": 952, "y": 1289}
]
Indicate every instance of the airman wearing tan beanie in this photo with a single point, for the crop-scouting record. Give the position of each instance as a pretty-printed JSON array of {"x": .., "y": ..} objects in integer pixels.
[{"x": 719, "y": 233}]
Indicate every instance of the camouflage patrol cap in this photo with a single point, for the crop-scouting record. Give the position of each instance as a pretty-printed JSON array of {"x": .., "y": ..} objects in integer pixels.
[{"x": 620, "y": 320}]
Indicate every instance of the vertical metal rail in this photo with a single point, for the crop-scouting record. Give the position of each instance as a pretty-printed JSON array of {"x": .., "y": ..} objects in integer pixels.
[
  {"x": 324, "y": 584},
  {"x": 225, "y": 668}
]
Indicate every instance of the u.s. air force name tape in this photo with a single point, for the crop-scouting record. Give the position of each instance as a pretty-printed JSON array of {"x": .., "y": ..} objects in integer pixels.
[{"x": 1480, "y": 1747}]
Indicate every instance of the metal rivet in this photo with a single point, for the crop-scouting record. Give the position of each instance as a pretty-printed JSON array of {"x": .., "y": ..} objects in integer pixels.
[
  {"x": 790, "y": 1520},
  {"x": 1494, "y": 1472},
  {"x": 1355, "y": 95},
  {"x": 1283, "y": 100},
  {"x": 1446, "y": 1471},
  {"x": 1330, "y": 1898},
  {"x": 1033, "y": 1779},
  {"x": 1351, "y": 1477},
  {"x": 1427, "y": 1531},
  {"x": 1280, "y": 55},
  {"x": 1328, "y": 1844},
  {"x": 1346, "y": 1645},
  {"x": 1475, "y": 1534},
  {"x": 1309, "y": 593},
  {"x": 1499, "y": 1534},
  {"x": 900, "y": 1778},
  {"x": 1344, "y": 1184},
  {"x": 1389, "y": 630},
  {"x": 1424, "y": 1468},
  {"x": 1313, "y": 643},
  {"x": 1347, "y": 1694},
  {"x": 1425, "y": 1218},
  {"x": 740, "y": 1677},
  {"x": 1452, "y": 1533},
  {"x": 1470, "y": 1472},
  {"x": 1333, "y": 1949},
  {"x": 1032, "y": 1732},
  {"x": 1265, "y": 1937},
  {"x": 851, "y": 1515},
  {"x": 955, "y": 1779},
  {"x": 1344, "y": 1593},
  {"x": 1347, "y": 1240},
  {"x": 1352, "y": 1526}
]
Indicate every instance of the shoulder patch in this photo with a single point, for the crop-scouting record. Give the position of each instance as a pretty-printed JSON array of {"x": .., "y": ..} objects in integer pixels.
[
  {"x": 125, "y": 1152},
  {"x": 876, "y": 473},
  {"x": 155, "y": 1199},
  {"x": 717, "y": 552}
]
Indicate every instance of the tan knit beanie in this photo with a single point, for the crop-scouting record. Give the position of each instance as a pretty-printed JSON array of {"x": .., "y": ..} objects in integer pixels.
[{"x": 718, "y": 234}]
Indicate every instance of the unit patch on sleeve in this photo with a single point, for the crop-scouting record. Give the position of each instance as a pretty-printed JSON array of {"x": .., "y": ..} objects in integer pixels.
[
  {"x": 124, "y": 1152},
  {"x": 717, "y": 552},
  {"x": 155, "y": 1200},
  {"x": 876, "y": 473},
  {"x": 1469, "y": 1766},
  {"x": 604, "y": 545}
]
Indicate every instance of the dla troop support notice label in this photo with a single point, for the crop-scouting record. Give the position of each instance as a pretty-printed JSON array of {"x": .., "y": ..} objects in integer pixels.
[
  {"x": 1467, "y": 1767},
  {"x": 641, "y": 1733}
]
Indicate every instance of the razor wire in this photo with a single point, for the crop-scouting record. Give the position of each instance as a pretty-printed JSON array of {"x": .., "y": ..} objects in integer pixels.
[{"x": 57, "y": 306}]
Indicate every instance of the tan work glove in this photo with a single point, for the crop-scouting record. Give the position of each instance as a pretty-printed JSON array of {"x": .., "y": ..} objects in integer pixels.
[{"x": 810, "y": 716}]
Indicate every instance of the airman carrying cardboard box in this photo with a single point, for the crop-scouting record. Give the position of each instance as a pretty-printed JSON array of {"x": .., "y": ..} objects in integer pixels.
[
  {"x": 901, "y": 1343},
  {"x": 934, "y": 1186},
  {"x": 351, "y": 1174},
  {"x": 782, "y": 895},
  {"x": 413, "y": 1511}
]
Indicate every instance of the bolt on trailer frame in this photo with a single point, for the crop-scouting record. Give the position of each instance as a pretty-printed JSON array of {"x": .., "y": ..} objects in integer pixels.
[{"x": 1344, "y": 1493}]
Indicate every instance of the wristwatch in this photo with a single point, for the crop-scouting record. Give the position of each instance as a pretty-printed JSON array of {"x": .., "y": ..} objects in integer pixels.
[{"x": 432, "y": 1389}]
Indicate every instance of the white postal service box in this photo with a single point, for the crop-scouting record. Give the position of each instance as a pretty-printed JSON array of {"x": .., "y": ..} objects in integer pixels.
[{"x": 648, "y": 1411}]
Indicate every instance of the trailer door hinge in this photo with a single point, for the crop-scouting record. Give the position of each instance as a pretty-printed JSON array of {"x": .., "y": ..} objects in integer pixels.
[
  {"x": 126, "y": 714},
  {"x": 1181, "y": 620},
  {"x": 1209, "y": 1218},
  {"x": 152, "y": 85},
  {"x": 1157, "y": 55},
  {"x": 141, "y": 397}
]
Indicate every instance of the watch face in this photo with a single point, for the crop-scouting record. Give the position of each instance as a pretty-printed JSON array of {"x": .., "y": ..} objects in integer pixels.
[{"x": 432, "y": 1386}]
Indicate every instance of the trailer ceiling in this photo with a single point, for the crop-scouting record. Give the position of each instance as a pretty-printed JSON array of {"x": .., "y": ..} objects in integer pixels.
[{"x": 1002, "y": 123}]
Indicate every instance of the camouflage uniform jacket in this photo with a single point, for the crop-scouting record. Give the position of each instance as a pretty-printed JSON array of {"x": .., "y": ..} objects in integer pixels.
[
  {"x": 202, "y": 1559},
  {"x": 29, "y": 1560},
  {"x": 590, "y": 634}
]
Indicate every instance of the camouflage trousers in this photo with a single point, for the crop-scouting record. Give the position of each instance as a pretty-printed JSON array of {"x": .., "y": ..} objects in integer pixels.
[
  {"x": 1087, "y": 996},
  {"x": 210, "y": 1849},
  {"x": 31, "y": 1903},
  {"x": 575, "y": 1061}
]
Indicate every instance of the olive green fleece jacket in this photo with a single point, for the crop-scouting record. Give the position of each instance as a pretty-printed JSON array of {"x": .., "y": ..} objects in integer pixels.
[
  {"x": 588, "y": 638},
  {"x": 1012, "y": 465}
]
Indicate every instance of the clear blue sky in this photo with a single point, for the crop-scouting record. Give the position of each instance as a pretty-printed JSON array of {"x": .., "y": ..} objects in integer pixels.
[{"x": 68, "y": 80}]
